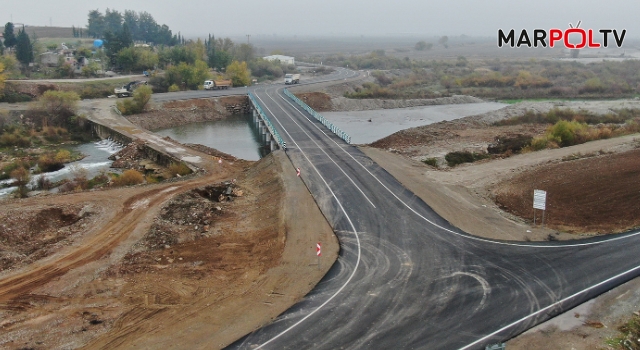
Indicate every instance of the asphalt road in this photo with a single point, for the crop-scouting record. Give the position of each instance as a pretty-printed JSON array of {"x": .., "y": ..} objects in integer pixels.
[{"x": 407, "y": 279}]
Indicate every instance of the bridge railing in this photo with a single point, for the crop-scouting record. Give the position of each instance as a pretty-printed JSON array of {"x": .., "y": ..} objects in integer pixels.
[
  {"x": 267, "y": 122},
  {"x": 334, "y": 129}
]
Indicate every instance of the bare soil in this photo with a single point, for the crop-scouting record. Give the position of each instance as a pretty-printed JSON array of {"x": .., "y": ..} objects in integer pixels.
[
  {"x": 210, "y": 259},
  {"x": 174, "y": 113}
]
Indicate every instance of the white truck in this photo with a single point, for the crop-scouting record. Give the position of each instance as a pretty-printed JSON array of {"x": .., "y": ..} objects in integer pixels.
[
  {"x": 217, "y": 84},
  {"x": 291, "y": 79}
]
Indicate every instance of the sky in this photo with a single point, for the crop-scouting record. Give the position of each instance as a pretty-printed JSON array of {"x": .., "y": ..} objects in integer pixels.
[{"x": 197, "y": 18}]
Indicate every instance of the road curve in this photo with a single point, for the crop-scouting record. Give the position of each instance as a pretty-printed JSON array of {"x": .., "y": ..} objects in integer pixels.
[{"x": 406, "y": 278}]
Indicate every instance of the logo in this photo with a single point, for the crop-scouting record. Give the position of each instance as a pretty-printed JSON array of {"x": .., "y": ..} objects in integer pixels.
[{"x": 571, "y": 38}]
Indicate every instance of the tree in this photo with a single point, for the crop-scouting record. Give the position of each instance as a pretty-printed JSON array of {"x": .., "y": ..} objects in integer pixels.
[
  {"x": 3, "y": 77},
  {"x": 422, "y": 45},
  {"x": 131, "y": 19},
  {"x": 1, "y": 48},
  {"x": 244, "y": 52},
  {"x": 96, "y": 24},
  {"x": 10, "y": 39},
  {"x": 22, "y": 177},
  {"x": 24, "y": 49},
  {"x": 116, "y": 42},
  {"x": 57, "y": 107},
  {"x": 444, "y": 41},
  {"x": 222, "y": 60},
  {"x": 112, "y": 20},
  {"x": 239, "y": 73},
  {"x": 125, "y": 36},
  {"x": 141, "y": 97}
]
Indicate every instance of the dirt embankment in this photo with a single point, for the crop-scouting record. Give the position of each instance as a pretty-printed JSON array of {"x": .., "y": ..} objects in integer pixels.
[
  {"x": 331, "y": 98},
  {"x": 575, "y": 177},
  {"x": 222, "y": 256},
  {"x": 175, "y": 113}
]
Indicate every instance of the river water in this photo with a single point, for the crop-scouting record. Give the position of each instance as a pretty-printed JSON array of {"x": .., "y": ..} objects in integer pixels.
[
  {"x": 369, "y": 126},
  {"x": 235, "y": 135},
  {"x": 95, "y": 161}
]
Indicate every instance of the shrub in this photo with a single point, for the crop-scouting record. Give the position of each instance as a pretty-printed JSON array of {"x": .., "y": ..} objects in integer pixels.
[
  {"x": 128, "y": 178},
  {"x": 512, "y": 144},
  {"x": 568, "y": 133},
  {"x": 459, "y": 157},
  {"x": 174, "y": 88},
  {"x": 179, "y": 169},
  {"x": 629, "y": 337},
  {"x": 14, "y": 140},
  {"x": 63, "y": 156},
  {"x": 43, "y": 183},
  {"x": 141, "y": 97},
  {"x": 431, "y": 161},
  {"x": 47, "y": 163},
  {"x": 22, "y": 177},
  {"x": 99, "y": 179}
]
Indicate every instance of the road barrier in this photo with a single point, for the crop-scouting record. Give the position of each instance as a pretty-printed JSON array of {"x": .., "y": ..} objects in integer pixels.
[
  {"x": 334, "y": 129},
  {"x": 267, "y": 122}
]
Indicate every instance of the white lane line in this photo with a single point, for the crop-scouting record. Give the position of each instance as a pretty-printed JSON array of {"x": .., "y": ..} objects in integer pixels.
[
  {"x": 497, "y": 242},
  {"x": 353, "y": 228},
  {"x": 547, "y": 308},
  {"x": 317, "y": 145},
  {"x": 446, "y": 229}
]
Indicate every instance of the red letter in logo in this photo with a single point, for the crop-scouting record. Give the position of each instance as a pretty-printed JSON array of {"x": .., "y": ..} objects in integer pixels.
[
  {"x": 554, "y": 35},
  {"x": 591, "y": 43},
  {"x": 580, "y": 31}
]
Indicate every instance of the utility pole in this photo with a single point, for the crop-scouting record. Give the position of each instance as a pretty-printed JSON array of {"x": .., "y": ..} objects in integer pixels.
[{"x": 248, "y": 36}]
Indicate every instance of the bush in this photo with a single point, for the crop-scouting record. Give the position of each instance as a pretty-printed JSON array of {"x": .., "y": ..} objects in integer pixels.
[
  {"x": 43, "y": 183},
  {"x": 511, "y": 144},
  {"x": 629, "y": 337},
  {"x": 14, "y": 140},
  {"x": 569, "y": 133},
  {"x": 22, "y": 177},
  {"x": 48, "y": 163},
  {"x": 135, "y": 105},
  {"x": 459, "y": 157},
  {"x": 179, "y": 169},
  {"x": 128, "y": 178},
  {"x": 99, "y": 179},
  {"x": 431, "y": 161}
]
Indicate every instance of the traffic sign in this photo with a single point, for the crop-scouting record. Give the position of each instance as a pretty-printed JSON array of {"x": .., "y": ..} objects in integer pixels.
[{"x": 539, "y": 199}]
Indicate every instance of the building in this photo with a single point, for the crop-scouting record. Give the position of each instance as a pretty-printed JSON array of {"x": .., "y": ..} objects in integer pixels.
[{"x": 281, "y": 58}]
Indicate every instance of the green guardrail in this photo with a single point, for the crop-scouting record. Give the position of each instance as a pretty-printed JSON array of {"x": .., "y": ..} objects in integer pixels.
[
  {"x": 334, "y": 129},
  {"x": 267, "y": 122}
]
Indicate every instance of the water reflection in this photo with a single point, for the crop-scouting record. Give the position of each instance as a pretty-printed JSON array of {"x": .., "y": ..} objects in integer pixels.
[{"x": 235, "y": 135}]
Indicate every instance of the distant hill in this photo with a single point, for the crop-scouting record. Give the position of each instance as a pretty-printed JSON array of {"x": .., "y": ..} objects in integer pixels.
[{"x": 48, "y": 32}]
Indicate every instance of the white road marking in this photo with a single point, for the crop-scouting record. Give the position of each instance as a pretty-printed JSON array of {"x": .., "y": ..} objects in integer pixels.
[
  {"x": 547, "y": 308},
  {"x": 318, "y": 146},
  {"x": 458, "y": 233},
  {"x": 354, "y": 232}
]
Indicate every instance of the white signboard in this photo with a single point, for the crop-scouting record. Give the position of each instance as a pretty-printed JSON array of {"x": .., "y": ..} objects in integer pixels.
[{"x": 539, "y": 199}]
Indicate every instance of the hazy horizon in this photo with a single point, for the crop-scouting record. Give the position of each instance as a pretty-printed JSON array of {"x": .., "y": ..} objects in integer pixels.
[{"x": 344, "y": 18}]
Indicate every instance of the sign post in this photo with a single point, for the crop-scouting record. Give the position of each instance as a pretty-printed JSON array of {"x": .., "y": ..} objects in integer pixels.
[
  {"x": 539, "y": 202},
  {"x": 318, "y": 253}
]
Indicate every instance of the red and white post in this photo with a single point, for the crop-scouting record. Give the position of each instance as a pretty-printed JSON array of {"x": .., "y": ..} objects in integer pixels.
[{"x": 318, "y": 252}]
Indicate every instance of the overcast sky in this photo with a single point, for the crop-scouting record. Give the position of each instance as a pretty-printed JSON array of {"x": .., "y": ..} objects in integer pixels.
[{"x": 350, "y": 17}]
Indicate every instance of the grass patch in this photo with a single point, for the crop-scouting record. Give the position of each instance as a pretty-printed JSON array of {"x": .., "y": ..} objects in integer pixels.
[
  {"x": 629, "y": 337},
  {"x": 128, "y": 178},
  {"x": 431, "y": 161},
  {"x": 179, "y": 169}
]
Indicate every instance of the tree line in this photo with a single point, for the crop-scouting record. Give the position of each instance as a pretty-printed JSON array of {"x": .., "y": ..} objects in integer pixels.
[{"x": 140, "y": 26}]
